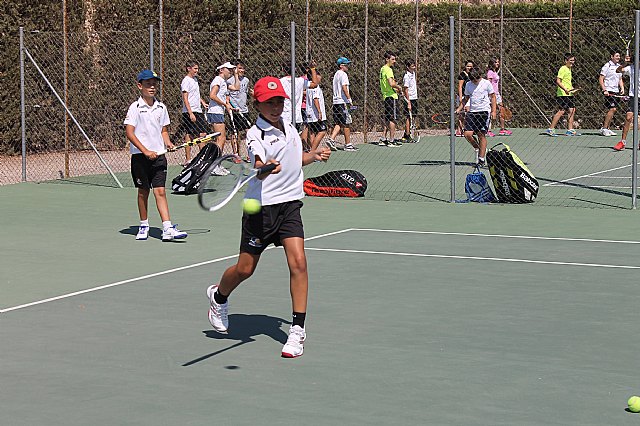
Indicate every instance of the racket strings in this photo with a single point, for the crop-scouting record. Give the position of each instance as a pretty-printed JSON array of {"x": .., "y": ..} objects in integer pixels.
[{"x": 221, "y": 182}]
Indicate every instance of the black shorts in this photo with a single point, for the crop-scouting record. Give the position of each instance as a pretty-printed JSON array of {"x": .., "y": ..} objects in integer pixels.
[
  {"x": 316, "y": 127},
  {"x": 414, "y": 108},
  {"x": 565, "y": 102},
  {"x": 390, "y": 109},
  {"x": 476, "y": 121},
  {"x": 147, "y": 173},
  {"x": 270, "y": 226},
  {"x": 197, "y": 128},
  {"x": 241, "y": 120},
  {"x": 630, "y": 105},
  {"x": 341, "y": 115},
  {"x": 611, "y": 102}
]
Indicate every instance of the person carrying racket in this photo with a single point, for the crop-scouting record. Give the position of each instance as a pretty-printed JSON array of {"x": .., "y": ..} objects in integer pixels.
[
  {"x": 238, "y": 100},
  {"x": 272, "y": 141},
  {"x": 410, "y": 92},
  {"x": 612, "y": 87},
  {"x": 564, "y": 97},
  {"x": 147, "y": 124},
  {"x": 626, "y": 68},
  {"x": 482, "y": 108},
  {"x": 193, "y": 119}
]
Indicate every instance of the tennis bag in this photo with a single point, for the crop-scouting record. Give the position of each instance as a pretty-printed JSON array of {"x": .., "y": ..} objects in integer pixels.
[
  {"x": 188, "y": 180},
  {"x": 512, "y": 180},
  {"x": 337, "y": 183},
  {"x": 477, "y": 188}
]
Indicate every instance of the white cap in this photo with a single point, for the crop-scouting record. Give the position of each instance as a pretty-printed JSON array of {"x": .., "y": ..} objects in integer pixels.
[{"x": 226, "y": 65}]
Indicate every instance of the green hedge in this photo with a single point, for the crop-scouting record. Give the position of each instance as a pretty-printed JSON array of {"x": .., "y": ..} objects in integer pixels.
[{"x": 220, "y": 16}]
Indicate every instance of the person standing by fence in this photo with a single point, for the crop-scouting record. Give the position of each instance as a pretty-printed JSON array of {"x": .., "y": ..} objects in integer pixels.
[
  {"x": 612, "y": 87},
  {"x": 194, "y": 122},
  {"x": 342, "y": 105},
  {"x": 564, "y": 97}
]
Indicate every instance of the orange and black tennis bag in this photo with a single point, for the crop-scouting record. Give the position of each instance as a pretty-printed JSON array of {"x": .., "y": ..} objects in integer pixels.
[
  {"x": 512, "y": 180},
  {"x": 337, "y": 183}
]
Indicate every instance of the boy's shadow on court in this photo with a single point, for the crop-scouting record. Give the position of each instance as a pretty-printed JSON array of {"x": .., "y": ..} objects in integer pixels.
[{"x": 242, "y": 329}]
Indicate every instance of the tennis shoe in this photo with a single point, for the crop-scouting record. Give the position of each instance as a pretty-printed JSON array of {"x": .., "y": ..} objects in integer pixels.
[
  {"x": 550, "y": 132},
  {"x": 620, "y": 146},
  {"x": 490, "y": 134},
  {"x": 331, "y": 144},
  {"x": 173, "y": 233},
  {"x": 505, "y": 132},
  {"x": 481, "y": 164},
  {"x": 143, "y": 233},
  {"x": 218, "y": 313},
  {"x": 571, "y": 132},
  {"x": 383, "y": 142},
  {"x": 607, "y": 132},
  {"x": 295, "y": 342},
  {"x": 612, "y": 133},
  {"x": 219, "y": 171},
  {"x": 350, "y": 147}
]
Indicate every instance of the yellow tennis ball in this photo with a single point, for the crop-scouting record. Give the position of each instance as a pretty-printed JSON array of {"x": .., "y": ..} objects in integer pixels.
[
  {"x": 251, "y": 206},
  {"x": 634, "y": 404}
]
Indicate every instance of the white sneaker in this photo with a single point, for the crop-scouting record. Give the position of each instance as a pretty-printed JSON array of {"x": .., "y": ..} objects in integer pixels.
[
  {"x": 173, "y": 233},
  {"x": 331, "y": 144},
  {"x": 295, "y": 343},
  {"x": 143, "y": 233},
  {"x": 612, "y": 133},
  {"x": 607, "y": 132},
  {"x": 218, "y": 314},
  {"x": 220, "y": 171},
  {"x": 350, "y": 147}
]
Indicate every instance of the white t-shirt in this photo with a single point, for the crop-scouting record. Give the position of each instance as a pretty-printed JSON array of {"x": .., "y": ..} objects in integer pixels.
[
  {"x": 479, "y": 95},
  {"x": 148, "y": 122},
  {"x": 301, "y": 86},
  {"x": 611, "y": 77},
  {"x": 191, "y": 86},
  {"x": 223, "y": 91},
  {"x": 313, "y": 114},
  {"x": 239, "y": 97},
  {"x": 340, "y": 78},
  {"x": 267, "y": 142},
  {"x": 409, "y": 81},
  {"x": 628, "y": 71}
]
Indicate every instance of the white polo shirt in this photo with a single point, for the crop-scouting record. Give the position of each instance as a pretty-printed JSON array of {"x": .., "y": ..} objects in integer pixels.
[
  {"x": 628, "y": 71},
  {"x": 301, "y": 86},
  {"x": 611, "y": 77},
  {"x": 190, "y": 85},
  {"x": 267, "y": 143},
  {"x": 340, "y": 78},
  {"x": 313, "y": 114},
  {"x": 409, "y": 81},
  {"x": 479, "y": 100},
  {"x": 223, "y": 91},
  {"x": 148, "y": 122}
]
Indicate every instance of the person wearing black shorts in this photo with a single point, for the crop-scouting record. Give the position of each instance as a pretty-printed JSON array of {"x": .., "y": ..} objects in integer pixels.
[
  {"x": 193, "y": 121},
  {"x": 564, "y": 97}
]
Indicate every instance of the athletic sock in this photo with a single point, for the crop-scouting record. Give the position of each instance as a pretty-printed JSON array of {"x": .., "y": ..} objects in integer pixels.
[
  {"x": 481, "y": 159},
  {"x": 298, "y": 318},
  {"x": 144, "y": 222},
  {"x": 219, "y": 298},
  {"x": 166, "y": 224}
]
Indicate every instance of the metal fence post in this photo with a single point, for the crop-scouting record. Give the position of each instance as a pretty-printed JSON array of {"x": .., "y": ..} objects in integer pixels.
[
  {"x": 23, "y": 120},
  {"x": 293, "y": 73},
  {"x": 634, "y": 156},
  {"x": 452, "y": 124},
  {"x": 151, "y": 47}
]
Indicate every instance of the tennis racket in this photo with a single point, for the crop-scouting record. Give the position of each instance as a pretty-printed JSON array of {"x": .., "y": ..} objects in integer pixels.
[
  {"x": 626, "y": 39},
  {"x": 413, "y": 132},
  {"x": 506, "y": 113},
  {"x": 223, "y": 179},
  {"x": 440, "y": 120},
  {"x": 201, "y": 139}
]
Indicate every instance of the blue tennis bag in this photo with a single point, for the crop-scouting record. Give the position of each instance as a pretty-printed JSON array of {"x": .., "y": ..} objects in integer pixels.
[{"x": 477, "y": 188}]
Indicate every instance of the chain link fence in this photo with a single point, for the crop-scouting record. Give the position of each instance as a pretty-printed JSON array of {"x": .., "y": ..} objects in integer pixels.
[{"x": 100, "y": 76}]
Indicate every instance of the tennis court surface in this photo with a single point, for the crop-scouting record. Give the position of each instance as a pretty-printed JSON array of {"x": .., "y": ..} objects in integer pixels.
[{"x": 420, "y": 313}]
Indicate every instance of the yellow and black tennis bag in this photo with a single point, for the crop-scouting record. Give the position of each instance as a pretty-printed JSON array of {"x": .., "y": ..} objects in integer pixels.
[{"x": 512, "y": 180}]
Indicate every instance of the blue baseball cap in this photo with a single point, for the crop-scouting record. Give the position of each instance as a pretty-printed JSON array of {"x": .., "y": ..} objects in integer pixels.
[
  {"x": 343, "y": 61},
  {"x": 147, "y": 75}
]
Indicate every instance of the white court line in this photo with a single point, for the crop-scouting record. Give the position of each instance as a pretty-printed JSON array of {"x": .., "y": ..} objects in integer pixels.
[
  {"x": 525, "y": 237},
  {"x": 584, "y": 176},
  {"x": 596, "y": 186},
  {"x": 497, "y": 259},
  {"x": 144, "y": 277}
]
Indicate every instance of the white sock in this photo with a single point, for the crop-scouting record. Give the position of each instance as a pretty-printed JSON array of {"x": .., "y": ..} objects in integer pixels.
[
  {"x": 477, "y": 154},
  {"x": 144, "y": 222},
  {"x": 166, "y": 224},
  {"x": 481, "y": 159}
]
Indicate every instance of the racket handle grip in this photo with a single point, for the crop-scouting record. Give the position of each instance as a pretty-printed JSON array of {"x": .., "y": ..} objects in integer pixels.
[{"x": 267, "y": 168}]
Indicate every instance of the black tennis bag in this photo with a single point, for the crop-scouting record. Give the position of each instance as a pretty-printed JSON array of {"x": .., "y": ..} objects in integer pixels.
[
  {"x": 337, "y": 183},
  {"x": 189, "y": 178},
  {"x": 512, "y": 180}
]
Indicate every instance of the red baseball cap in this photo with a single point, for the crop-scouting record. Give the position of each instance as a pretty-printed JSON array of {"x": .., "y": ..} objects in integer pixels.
[{"x": 267, "y": 88}]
